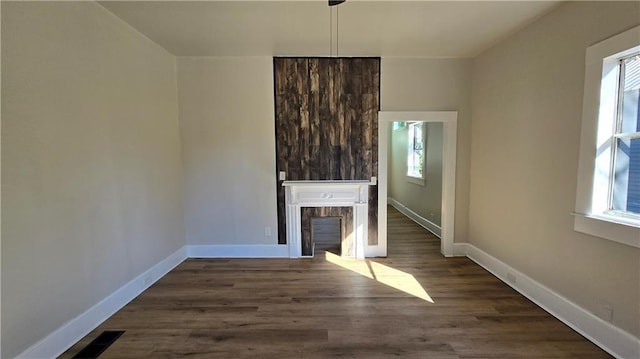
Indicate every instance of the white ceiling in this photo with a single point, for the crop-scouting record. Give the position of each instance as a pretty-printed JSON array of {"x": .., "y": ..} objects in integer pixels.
[{"x": 302, "y": 28}]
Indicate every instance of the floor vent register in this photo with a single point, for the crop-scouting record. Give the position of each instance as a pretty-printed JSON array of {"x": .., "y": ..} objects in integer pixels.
[{"x": 99, "y": 344}]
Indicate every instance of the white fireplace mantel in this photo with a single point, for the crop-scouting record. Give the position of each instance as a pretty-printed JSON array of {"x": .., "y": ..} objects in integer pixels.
[{"x": 330, "y": 193}]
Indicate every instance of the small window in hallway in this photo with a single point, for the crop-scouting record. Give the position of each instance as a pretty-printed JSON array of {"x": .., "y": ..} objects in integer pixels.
[{"x": 415, "y": 154}]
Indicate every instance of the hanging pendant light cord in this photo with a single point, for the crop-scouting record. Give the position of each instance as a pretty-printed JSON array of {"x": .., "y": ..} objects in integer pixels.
[
  {"x": 337, "y": 30},
  {"x": 330, "y": 32}
]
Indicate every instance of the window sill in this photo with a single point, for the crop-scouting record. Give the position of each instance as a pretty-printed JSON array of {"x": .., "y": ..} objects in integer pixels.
[
  {"x": 415, "y": 180},
  {"x": 614, "y": 228}
]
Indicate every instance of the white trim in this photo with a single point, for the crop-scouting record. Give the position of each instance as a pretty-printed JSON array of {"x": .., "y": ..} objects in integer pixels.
[
  {"x": 415, "y": 180},
  {"x": 371, "y": 251},
  {"x": 71, "y": 332},
  {"x": 335, "y": 193},
  {"x": 423, "y": 222},
  {"x": 54, "y": 344},
  {"x": 460, "y": 249},
  {"x": 599, "y": 227},
  {"x": 610, "y": 338},
  {"x": 449, "y": 120},
  {"x": 238, "y": 251}
]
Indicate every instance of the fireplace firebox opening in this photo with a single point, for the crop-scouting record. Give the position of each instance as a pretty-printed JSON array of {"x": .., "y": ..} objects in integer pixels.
[{"x": 326, "y": 234}]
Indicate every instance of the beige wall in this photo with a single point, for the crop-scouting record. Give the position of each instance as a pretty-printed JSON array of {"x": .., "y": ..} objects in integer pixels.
[
  {"x": 227, "y": 103},
  {"x": 228, "y": 147},
  {"x": 527, "y": 101},
  {"x": 423, "y": 199},
  {"x": 410, "y": 84},
  {"x": 91, "y": 176}
]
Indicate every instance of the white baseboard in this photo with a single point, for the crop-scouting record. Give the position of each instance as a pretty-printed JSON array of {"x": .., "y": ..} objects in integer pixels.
[
  {"x": 70, "y": 333},
  {"x": 374, "y": 251},
  {"x": 423, "y": 222},
  {"x": 238, "y": 251},
  {"x": 610, "y": 338},
  {"x": 460, "y": 249}
]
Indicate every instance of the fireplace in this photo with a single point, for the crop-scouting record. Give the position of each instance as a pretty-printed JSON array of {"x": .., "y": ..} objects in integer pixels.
[{"x": 353, "y": 194}]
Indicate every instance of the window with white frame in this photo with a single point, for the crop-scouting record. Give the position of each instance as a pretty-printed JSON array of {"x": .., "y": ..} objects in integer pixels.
[
  {"x": 415, "y": 153},
  {"x": 608, "y": 195},
  {"x": 624, "y": 176}
]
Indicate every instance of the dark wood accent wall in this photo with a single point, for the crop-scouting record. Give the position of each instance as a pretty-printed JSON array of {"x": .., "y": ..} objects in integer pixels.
[{"x": 327, "y": 124}]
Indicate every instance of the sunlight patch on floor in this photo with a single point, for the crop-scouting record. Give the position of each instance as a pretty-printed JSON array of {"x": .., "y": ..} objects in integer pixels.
[
  {"x": 384, "y": 274},
  {"x": 358, "y": 266}
]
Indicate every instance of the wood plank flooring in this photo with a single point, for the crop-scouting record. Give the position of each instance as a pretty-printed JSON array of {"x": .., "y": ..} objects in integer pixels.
[{"x": 327, "y": 307}]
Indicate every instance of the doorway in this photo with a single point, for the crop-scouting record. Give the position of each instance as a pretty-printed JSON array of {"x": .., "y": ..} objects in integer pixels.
[
  {"x": 414, "y": 164},
  {"x": 449, "y": 122}
]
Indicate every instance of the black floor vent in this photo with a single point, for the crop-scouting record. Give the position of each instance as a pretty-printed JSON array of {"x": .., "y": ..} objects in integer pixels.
[{"x": 99, "y": 344}]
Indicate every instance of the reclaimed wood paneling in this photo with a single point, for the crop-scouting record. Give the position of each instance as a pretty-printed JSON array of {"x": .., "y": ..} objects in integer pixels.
[{"x": 327, "y": 124}]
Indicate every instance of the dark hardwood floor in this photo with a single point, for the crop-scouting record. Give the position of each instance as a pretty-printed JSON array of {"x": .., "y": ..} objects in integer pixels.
[{"x": 413, "y": 304}]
